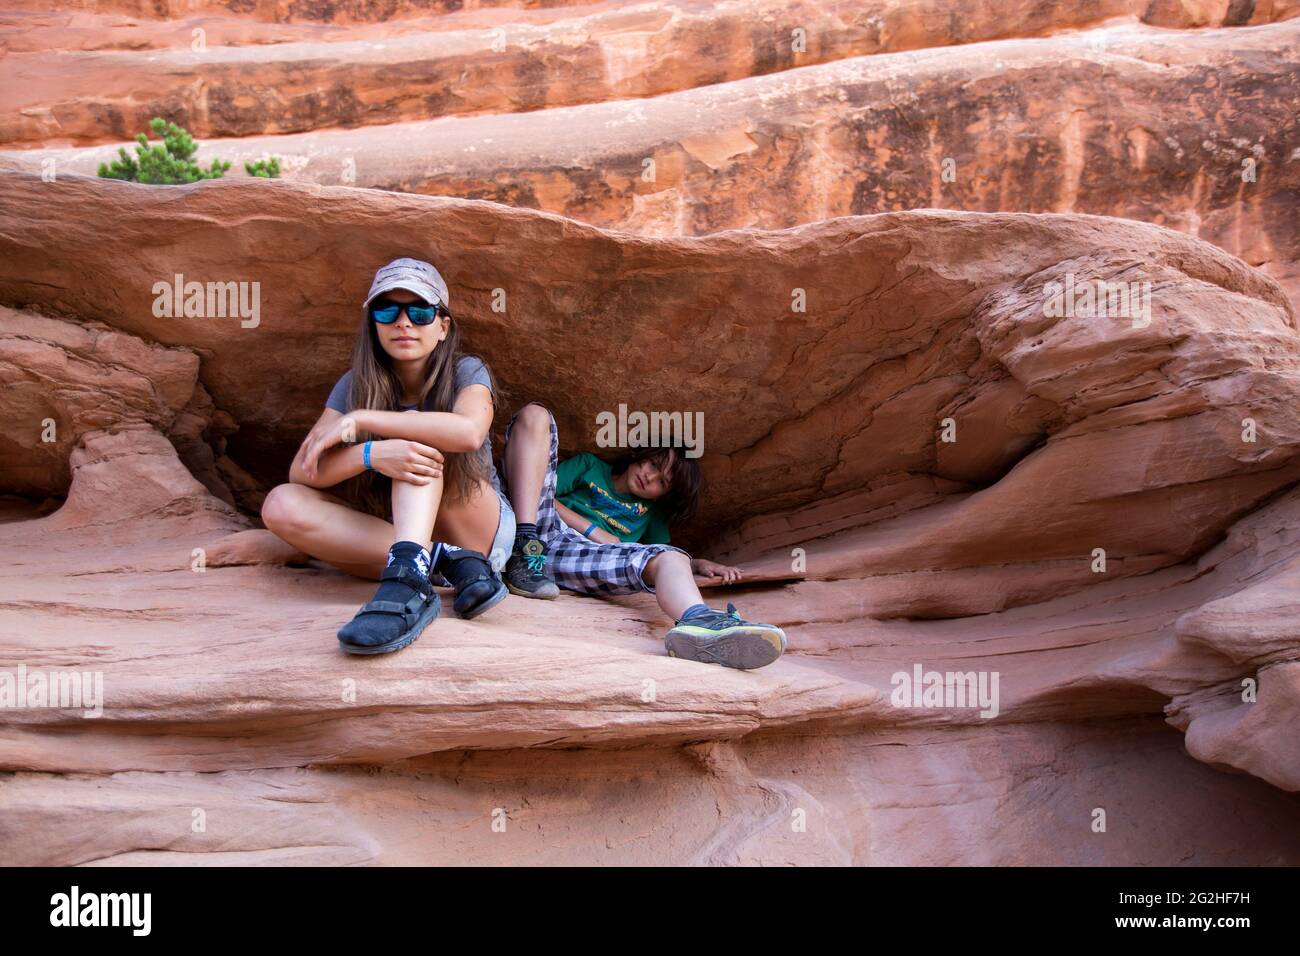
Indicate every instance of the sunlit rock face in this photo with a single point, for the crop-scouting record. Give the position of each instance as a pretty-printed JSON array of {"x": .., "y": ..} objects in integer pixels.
[{"x": 623, "y": 127}]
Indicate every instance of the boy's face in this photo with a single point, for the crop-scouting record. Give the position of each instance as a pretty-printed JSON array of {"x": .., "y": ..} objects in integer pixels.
[{"x": 649, "y": 478}]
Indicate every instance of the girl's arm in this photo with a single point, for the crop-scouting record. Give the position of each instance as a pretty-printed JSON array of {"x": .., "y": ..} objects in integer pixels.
[
  {"x": 337, "y": 464},
  {"x": 580, "y": 524},
  {"x": 463, "y": 429},
  {"x": 323, "y": 460}
]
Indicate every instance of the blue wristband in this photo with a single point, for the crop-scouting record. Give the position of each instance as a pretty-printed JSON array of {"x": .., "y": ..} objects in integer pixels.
[
  {"x": 365, "y": 456},
  {"x": 590, "y": 528}
]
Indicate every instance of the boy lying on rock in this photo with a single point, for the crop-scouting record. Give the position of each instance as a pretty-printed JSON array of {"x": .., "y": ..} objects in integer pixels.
[{"x": 590, "y": 527}]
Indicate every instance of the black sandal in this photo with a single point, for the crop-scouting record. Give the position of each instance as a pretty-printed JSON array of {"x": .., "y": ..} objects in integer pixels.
[
  {"x": 381, "y": 627},
  {"x": 477, "y": 586}
]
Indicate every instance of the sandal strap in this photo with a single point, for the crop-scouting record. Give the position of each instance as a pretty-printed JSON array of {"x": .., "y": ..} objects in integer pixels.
[
  {"x": 483, "y": 567},
  {"x": 387, "y": 607},
  {"x": 408, "y": 576},
  {"x": 408, "y": 611}
]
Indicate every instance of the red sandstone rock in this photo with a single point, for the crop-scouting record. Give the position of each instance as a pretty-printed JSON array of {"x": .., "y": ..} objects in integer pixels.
[
  {"x": 912, "y": 318},
  {"x": 256, "y": 546},
  {"x": 899, "y": 14},
  {"x": 1086, "y": 433},
  {"x": 332, "y": 11},
  {"x": 919, "y": 797},
  {"x": 314, "y": 78},
  {"x": 62, "y": 379},
  {"x": 31, "y": 27},
  {"x": 236, "y": 692},
  {"x": 1088, "y": 122}
]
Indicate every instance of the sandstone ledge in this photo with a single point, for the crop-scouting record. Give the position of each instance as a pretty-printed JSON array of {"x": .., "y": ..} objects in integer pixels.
[{"x": 1080, "y": 434}]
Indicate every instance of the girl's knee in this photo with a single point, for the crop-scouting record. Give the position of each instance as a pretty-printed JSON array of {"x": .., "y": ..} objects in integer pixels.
[{"x": 284, "y": 507}]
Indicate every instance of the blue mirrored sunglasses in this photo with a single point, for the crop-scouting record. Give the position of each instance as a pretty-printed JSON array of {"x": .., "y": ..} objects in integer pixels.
[{"x": 386, "y": 311}]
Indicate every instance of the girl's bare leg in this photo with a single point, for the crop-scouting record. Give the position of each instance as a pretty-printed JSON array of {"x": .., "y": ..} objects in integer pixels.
[
  {"x": 415, "y": 509},
  {"x": 326, "y": 527},
  {"x": 469, "y": 524}
]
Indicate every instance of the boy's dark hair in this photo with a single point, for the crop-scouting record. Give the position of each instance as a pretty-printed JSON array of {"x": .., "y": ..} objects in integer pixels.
[{"x": 683, "y": 498}]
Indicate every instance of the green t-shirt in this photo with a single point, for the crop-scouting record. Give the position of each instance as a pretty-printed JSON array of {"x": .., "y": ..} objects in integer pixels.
[{"x": 586, "y": 484}]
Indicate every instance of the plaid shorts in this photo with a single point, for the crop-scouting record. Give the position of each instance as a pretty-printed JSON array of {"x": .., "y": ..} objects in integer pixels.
[{"x": 578, "y": 563}]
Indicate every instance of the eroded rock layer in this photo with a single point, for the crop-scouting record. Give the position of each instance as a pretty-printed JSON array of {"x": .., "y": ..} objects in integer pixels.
[
  {"x": 865, "y": 334},
  {"x": 1191, "y": 130},
  {"x": 223, "y": 77},
  {"x": 1026, "y": 796},
  {"x": 824, "y": 434}
]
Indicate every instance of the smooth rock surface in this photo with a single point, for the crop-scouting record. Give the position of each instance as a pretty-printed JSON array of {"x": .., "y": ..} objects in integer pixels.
[
  {"x": 245, "y": 78},
  {"x": 911, "y": 319},
  {"x": 215, "y": 645},
  {"x": 905, "y": 113}
]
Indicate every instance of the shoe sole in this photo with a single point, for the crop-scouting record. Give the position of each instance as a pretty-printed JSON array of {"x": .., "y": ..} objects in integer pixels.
[
  {"x": 497, "y": 597},
  {"x": 533, "y": 594},
  {"x": 403, "y": 640},
  {"x": 745, "y": 647}
]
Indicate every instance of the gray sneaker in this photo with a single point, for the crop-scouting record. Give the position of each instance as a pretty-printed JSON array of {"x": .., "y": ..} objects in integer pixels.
[
  {"x": 526, "y": 573},
  {"x": 715, "y": 637}
]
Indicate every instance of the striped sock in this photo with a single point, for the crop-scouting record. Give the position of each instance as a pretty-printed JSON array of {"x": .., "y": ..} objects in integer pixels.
[{"x": 524, "y": 532}]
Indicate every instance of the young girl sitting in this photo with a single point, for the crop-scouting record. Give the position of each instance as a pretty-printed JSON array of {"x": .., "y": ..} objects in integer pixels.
[
  {"x": 406, "y": 433},
  {"x": 599, "y": 529}
]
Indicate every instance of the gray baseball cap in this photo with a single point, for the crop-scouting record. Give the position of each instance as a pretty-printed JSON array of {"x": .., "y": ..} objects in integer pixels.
[{"x": 414, "y": 275}]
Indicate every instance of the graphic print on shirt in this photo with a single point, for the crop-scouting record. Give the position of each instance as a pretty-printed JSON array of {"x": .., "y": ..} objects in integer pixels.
[{"x": 603, "y": 503}]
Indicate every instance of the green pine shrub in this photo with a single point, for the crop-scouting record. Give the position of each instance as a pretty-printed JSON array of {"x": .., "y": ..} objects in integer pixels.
[
  {"x": 266, "y": 168},
  {"x": 171, "y": 161}
]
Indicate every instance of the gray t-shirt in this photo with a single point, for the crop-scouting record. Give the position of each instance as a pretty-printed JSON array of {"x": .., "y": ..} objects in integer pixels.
[{"x": 470, "y": 370}]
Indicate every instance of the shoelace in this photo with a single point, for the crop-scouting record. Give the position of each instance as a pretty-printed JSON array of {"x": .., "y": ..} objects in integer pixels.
[
  {"x": 536, "y": 563},
  {"x": 732, "y": 616}
]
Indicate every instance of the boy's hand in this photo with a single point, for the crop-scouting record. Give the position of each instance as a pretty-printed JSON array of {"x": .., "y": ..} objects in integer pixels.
[{"x": 711, "y": 569}]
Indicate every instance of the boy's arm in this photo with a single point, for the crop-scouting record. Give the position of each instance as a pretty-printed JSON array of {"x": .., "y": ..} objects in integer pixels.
[{"x": 579, "y": 523}]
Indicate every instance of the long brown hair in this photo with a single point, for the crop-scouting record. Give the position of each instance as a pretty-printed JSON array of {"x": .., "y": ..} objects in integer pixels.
[{"x": 375, "y": 385}]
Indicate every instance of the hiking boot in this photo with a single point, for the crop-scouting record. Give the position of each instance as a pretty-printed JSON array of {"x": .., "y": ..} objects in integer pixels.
[
  {"x": 526, "y": 573},
  {"x": 477, "y": 586},
  {"x": 715, "y": 637}
]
